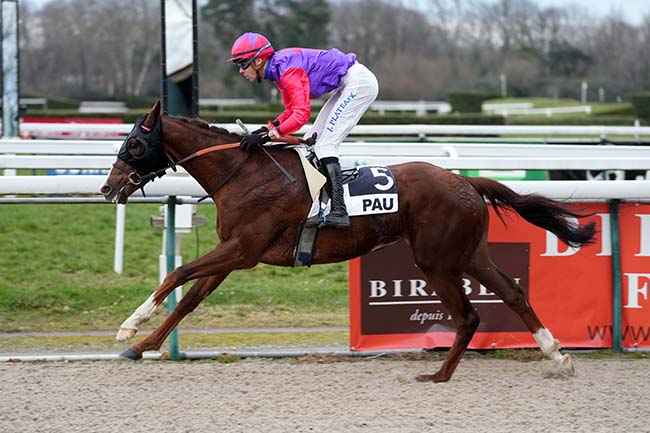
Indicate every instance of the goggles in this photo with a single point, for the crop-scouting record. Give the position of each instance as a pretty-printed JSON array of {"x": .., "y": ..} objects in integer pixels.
[{"x": 245, "y": 63}]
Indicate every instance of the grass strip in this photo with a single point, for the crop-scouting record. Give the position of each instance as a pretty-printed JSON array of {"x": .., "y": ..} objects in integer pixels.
[{"x": 188, "y": 341}]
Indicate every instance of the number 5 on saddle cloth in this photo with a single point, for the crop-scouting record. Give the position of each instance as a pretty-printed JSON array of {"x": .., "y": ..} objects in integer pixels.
[{"x": 367, "y": 190}]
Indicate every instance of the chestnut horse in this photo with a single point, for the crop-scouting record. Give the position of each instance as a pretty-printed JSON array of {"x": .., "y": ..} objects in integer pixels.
[{"x": 442, "y": 216}]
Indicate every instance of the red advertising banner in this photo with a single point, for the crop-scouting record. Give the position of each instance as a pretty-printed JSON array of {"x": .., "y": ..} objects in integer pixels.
[{"x": 392, "y": 306}]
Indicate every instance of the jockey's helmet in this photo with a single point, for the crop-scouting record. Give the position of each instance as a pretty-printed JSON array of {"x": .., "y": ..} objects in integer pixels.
[{"x": 249, "y": 47}]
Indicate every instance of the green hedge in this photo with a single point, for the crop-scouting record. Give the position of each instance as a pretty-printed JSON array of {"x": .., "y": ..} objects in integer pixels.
[
  {"x": 264, "y": 106},
  {"x": 368, "y": 119},
  {"x": 467, "y": 102},
  {"x": 139, "y": 102},
  {"x": 622, "y": 109},
  {"x": 572, "y": 120},
  {"x": 641, "y": 104},
  {"x": 432, "y": 119},
  {"x": 57, "y": 102}
]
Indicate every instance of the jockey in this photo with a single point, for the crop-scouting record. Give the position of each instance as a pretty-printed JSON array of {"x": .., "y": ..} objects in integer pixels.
[{"x": 301, "y": 74}]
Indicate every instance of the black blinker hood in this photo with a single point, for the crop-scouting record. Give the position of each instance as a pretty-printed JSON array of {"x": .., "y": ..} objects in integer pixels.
[{"x": 154, "y": 157}]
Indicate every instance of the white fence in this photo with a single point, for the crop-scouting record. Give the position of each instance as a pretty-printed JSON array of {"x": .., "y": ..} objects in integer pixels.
[
  {"x": 522, "y": 108},
  {"x": 548, "y": 112},
  {"x": 632, "y": 190},
  {"x": 507, "y": 106},
  {"x": 36, "y": 102},
  {"x": 15, "y": 154},
  {"x": 103, "y": 107},
  {"x": 83, "y": 129},
  {"x": 100, "y": 154},
  {"x": 226, "y": 102},
  {"x": 419, "y": 107},
  {"x": 96, "y": 154}
]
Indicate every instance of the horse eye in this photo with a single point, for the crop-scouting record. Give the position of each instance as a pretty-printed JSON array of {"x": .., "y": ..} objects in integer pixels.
[{"x": 135, "y": 148}]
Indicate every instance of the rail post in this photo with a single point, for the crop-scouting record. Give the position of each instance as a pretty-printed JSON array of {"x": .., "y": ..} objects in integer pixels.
[
  {"x": 120, "y": 222},
  {"x": 617, "y": 301},
  {"x": 174, "y": 354}
]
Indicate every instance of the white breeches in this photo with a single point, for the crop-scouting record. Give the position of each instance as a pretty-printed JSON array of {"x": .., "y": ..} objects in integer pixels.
[{"x": 343, "y": 110}]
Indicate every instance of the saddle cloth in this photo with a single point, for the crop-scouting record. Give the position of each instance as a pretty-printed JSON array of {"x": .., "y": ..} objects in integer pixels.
[{"x": 367, "y": 190}]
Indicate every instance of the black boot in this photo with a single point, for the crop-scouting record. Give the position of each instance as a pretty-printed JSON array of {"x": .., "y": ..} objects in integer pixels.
[{"x": 338, "y": 216}]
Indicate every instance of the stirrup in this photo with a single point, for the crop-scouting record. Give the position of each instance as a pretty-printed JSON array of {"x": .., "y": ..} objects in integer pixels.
[
  {"x": 314, "y": 221},
  {"x": 336, "y": 221}
]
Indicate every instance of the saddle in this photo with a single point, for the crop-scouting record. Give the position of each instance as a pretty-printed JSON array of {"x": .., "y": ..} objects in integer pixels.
[{"x": 367, "y": 190}]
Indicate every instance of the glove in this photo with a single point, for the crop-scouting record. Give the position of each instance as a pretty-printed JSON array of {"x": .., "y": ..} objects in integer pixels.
[
  {"x": 249, "y": 143},
  {"x": 310, "y": 141},
  {"x": 265, "y": 129},
  {"x": 262, "y": 130}
]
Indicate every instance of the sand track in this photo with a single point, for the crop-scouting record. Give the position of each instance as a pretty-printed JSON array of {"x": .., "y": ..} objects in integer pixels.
[{"x": 365, "y": 395}]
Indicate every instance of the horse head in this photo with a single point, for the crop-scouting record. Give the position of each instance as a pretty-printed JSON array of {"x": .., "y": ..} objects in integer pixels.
[{"x": 141, "y": 158}]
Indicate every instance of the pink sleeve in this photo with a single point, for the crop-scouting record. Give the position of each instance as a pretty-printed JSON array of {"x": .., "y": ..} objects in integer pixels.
[
  {"x": 294, "y": 88},
  {"x": 287, "y": 104}
]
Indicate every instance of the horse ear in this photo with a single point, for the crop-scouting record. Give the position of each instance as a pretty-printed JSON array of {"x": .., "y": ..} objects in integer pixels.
[{"x": 154, "y": 115}]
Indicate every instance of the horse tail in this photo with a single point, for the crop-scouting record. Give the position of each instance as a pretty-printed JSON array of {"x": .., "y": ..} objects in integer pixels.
[{"x": 537, "y": 210}]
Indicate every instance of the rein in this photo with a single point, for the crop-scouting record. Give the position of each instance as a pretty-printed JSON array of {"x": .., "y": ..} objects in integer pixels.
[
  {"x": 140, "y": 181},
  {"x": 137, "y": 180}
]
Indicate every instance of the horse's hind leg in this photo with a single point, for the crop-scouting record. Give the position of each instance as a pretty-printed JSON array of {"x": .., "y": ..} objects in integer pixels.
[
  {"x": 485, "y": 271},
  {"x": 465, "y": 320}
]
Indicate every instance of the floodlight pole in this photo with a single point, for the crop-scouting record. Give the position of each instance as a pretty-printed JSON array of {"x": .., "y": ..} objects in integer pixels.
[{"x": 10, "y": 65}]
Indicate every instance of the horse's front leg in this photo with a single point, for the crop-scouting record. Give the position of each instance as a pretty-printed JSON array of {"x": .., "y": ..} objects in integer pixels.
[
  {"x": 218, "y": 264},
  {"x": 199, "y": 291}
]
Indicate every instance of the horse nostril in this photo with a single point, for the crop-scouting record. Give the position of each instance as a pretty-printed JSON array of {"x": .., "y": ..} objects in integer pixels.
[{"x": 105, "y": 189}]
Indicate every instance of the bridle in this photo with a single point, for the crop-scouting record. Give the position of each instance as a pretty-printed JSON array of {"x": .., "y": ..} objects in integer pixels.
[{"x": 154, "y": 154}]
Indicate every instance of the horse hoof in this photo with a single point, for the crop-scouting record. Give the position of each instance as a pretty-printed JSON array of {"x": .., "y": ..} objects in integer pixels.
[
  {"x": 567, "y": 365},
  {"x": 435, "y": 378},
  {"x": 131, "y": 354},
  {"x": 562, "y": 368},
  {"x": 125, "y": 334}
]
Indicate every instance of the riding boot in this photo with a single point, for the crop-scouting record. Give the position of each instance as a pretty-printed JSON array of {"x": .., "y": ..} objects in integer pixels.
[{"x": 338, "y": 216}]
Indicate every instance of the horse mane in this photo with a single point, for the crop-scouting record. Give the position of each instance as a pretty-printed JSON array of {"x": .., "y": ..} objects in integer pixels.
[{"x": 196, "y": 121}]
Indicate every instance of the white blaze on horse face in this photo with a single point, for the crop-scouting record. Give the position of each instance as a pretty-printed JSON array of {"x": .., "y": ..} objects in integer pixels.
[
  {"x": 141, "y": 314},
  {"x": 549, "y": 345}
]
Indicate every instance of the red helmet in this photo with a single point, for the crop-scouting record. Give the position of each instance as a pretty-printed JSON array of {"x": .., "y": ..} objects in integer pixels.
[{"x": 249, "y": 47}]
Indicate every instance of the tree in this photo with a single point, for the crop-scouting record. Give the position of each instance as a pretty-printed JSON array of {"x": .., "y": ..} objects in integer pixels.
[
  {"x": 111, "y": 48},
  {"x": 230, "y": 17},
  {"x": 564, "y": 60},
  {"x": 297, "y": 23},
  {"x": 93, "y": 48},
  {"x": 284, "y": 22}
]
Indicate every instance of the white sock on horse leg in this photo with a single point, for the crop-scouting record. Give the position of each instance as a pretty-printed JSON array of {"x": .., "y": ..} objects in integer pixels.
[
  {"x": 549, "y": 345},
  {"x": 141, "y": 314}
]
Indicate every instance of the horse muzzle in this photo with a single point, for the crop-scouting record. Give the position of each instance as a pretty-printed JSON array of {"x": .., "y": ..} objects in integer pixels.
[{"x": 114, "y": 195}]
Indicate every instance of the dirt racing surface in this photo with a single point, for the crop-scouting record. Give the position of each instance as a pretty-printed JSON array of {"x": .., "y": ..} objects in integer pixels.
[{"x": 288, "y": 395}]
